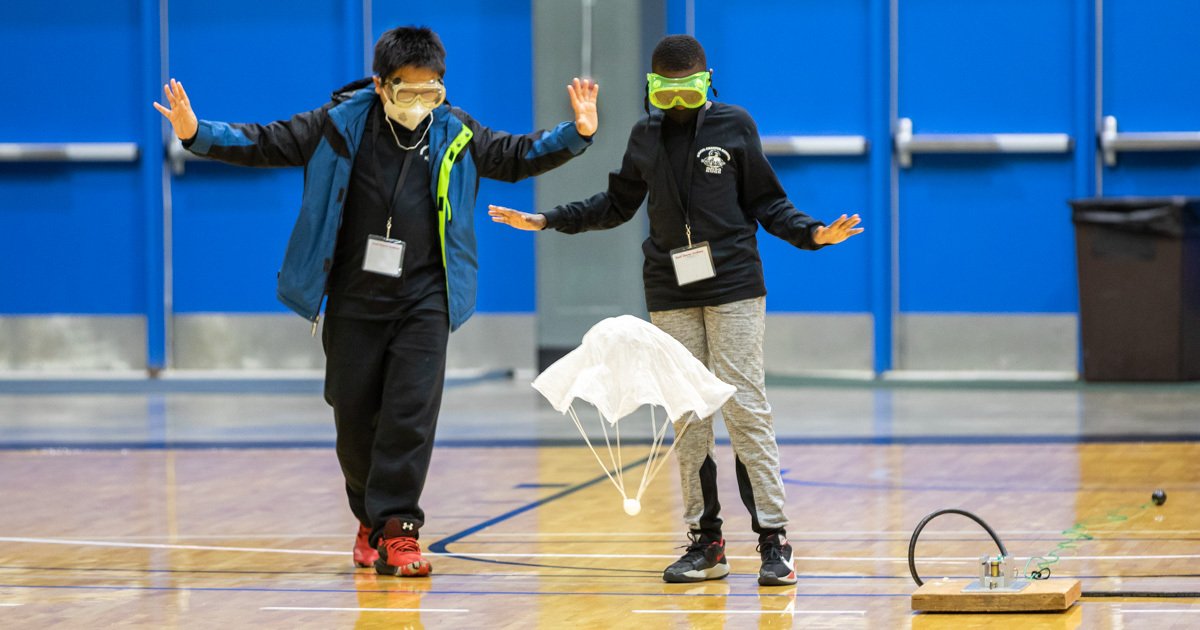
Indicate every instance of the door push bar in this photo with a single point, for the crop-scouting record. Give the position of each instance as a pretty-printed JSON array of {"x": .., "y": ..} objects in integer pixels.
[
  {"x": 1112, "y": 141},
  {"x": 177, "y": 156},
  {"x": 907, "y": 143},
  {"x": 68, "y": 152},
  {"x": 823, "y": 146}
]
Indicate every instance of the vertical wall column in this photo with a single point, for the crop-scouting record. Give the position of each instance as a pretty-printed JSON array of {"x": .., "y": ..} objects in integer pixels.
[
  {"x": 359, "y": 43},
  {"x": 881, "y": 233},
  {"x": 584, "y": 278},
  {"x": 1087, "y": 106},
  {"x": 156, "y": 205}
]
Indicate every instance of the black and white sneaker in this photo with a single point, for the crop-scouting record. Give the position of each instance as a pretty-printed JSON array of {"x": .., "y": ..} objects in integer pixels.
[
  {"x": 704, "y": 560},
  {"x": 777, "y": 567}
]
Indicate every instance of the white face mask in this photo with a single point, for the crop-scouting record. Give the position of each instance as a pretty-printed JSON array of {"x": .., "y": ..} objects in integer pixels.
[
  {"x": 411, "y": 103},
  {"x": 409, "y": 117}
]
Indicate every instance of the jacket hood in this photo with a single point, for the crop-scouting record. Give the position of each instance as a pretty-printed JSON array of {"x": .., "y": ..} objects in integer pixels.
[{"x": 346, "y": 91}]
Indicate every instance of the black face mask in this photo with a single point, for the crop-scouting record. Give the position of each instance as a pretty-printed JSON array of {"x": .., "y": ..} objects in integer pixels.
[{"x": 681, "y": 116}]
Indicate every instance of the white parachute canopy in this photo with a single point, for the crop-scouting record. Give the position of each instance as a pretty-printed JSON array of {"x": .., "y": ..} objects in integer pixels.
[{"x": 624, "y": 363}]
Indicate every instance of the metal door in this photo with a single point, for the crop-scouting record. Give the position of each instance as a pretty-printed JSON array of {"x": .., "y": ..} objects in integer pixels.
[
  {"x": 985, "y": 161},
  {"x": 1150, "y": 105},
  {"x": 229, "y": 225},
  {"x": 813, "y": 77}
]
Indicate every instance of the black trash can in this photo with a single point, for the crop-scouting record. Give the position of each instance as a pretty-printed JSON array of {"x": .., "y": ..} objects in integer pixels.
[{"x": 1139, "y": 287}]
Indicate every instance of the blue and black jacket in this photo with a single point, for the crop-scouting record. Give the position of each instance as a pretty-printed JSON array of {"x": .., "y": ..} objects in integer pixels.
[{"x": 324, "y": 141}]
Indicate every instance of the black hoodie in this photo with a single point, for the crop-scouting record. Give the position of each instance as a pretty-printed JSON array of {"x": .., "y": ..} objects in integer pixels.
[{"x": 732, "y": 190}]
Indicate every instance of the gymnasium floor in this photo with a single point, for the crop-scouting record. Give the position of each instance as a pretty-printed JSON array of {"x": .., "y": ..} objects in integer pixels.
[{"x": 201, "y": 504}]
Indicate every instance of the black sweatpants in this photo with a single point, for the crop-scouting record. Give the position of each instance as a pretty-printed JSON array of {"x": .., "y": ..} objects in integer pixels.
[{"x": 384, "y": 381}]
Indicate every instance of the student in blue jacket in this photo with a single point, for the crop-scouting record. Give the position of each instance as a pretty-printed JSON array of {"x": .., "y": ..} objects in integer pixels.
[
  {"x": 386, "y": 231},
  {"x": 710, "y": 188}
]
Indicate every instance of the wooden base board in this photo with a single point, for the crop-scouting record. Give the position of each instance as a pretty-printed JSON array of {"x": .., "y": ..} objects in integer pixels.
[
  {"x": 1040, "y": 595},
  {"x": 1069, "y": 619}
]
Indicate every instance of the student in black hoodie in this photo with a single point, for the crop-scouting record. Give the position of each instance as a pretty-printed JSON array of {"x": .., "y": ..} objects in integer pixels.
[{"x": 710, "y": 187}]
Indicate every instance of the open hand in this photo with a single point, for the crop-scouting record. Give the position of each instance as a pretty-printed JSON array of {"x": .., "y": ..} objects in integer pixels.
[
  {"x": 516, "y": 218},
  {"x": 838, "y": 231},
  {"x": 183, "y": 119},
  {"x": 583, "y": 101}
]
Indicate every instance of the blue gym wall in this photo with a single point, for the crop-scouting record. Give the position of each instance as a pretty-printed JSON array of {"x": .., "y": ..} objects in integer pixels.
[
  {"x": 979, "y": 234},
  {"x": 71, "y": 235}
]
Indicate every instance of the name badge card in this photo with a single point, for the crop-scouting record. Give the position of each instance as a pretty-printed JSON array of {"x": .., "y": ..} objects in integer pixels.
[
  {"x": 384, "y": 256},
  {"x": 693, "y": 263}
]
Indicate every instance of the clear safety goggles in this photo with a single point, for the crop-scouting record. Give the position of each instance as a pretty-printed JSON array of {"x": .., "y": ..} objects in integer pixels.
[
  {"x": 690, "y": 91},
  {"x": 430, "y": 93}
]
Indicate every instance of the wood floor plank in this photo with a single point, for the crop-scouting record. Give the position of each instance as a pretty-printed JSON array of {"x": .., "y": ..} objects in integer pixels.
[{"x": 210, "y": 538}]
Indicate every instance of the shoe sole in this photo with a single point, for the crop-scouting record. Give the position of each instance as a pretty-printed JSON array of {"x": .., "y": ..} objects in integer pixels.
[
  {"x": 774, "y": 580},
  {"x": 716, "y": 572},
  {"x": 414, "y": 569},
  {"x": 364, "y": 565}
]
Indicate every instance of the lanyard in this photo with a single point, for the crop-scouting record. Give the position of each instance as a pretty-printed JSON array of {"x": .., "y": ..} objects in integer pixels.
[
  {"x": 390, "y": 200},
  {"x": 687, "y": 207}
]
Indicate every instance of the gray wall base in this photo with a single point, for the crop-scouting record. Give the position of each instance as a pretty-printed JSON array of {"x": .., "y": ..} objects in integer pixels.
[
  {"x": 494, "y": 342},
  {"x": 284, "y": 342},
  {"x": 72, "y": 342},
  {"x": 218, "y": 341},
  {"x": 953, "y": 342},
  {"x": 798, "y": 344},
  {"x": 795, "y": 343}
]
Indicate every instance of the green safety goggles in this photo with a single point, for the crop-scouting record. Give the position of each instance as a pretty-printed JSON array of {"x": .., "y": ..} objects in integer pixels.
[{"x": 690, "y": 91}]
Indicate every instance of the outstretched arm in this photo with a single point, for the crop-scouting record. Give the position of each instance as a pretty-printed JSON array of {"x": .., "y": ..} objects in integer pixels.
[
  {"x": 281, "y": 143},
  {"x": 608, "y": 209},
  {"x": 508, "y": 157},
  {"x": 763, "y": 197}
]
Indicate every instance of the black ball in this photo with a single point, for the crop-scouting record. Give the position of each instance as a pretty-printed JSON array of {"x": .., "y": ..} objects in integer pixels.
[{"x": 1159, "y": 497}]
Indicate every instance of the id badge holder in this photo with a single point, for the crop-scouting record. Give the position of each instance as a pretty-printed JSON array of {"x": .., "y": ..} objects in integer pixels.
[
  {"x": 693, "y": 263},
  {"x": 384, "y": 256}
]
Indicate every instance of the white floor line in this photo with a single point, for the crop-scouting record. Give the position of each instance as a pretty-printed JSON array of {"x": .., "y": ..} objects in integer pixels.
[
  {"x": 231, "y": 536},
  {"x": 110, "y": 543},
  {"x": 8, "y": 605},
  {"x": 751, "y": 612},
  {"x": 604, "y": 556},
  {"x": 1126, "y": 611},
  {"x": 795, "y": 535},
  {"x": 405, "y": 610},
  {"x": 924, "y": 559}
]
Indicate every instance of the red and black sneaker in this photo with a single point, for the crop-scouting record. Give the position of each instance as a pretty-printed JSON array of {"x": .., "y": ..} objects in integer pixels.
[
  {"x": 401, "y": 556},
  {"x": 364, "y": 554},
  {"x": 704, "y": 560},
  {"x": 778, "y": 568}
]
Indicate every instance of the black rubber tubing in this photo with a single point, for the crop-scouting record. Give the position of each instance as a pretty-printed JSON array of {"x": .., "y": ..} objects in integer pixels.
[{"x": 912, "y": 543}]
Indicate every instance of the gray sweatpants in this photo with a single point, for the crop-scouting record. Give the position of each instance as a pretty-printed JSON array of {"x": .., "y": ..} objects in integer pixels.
[{"x": 729, "y": 340}]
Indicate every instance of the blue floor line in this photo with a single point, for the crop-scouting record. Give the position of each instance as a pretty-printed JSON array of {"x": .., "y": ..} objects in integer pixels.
[
  {"x": 185, "y": 385},
  {"x": 934, "y": 440}
]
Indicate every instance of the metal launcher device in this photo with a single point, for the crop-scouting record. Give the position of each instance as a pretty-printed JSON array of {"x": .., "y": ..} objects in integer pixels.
[{"x": 998, "y": 589}]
